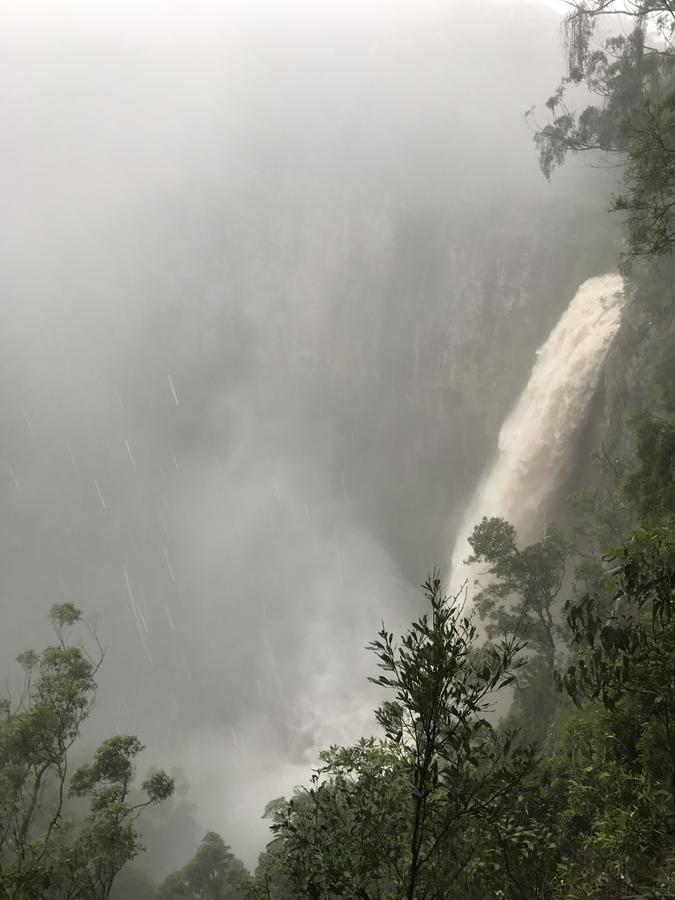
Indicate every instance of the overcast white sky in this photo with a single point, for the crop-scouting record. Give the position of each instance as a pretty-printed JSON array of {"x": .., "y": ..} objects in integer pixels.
[{"x": 134, "y": 17}]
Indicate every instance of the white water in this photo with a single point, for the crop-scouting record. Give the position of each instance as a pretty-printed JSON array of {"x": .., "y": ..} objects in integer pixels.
[{"x": 537, "y": 437}]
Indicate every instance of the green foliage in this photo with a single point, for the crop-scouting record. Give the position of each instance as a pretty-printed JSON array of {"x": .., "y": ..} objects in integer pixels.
[
  {"x": 460, "y": 769},
  {"x": 600, "y": 806},
  {"x": 159, "y": 786},
  {"x": 650, "y": 484},
  {"x": 521, "y": 597},
  {"x": 611, "y": 815},
  {"x": 403, "y": 816},
  {"x": 602, "y": 518},
  {"x": 44, "y": 855},
  {"x": 214, "y": 873},
  {"x": 168, "y": 827},
  {"x": 352, "y": 822},
  {"x": 513, "y": 858},
  {"x": 625, "y": 639},
  {"x": 444, "y": 807},
  {"x": 632, "y": 72},
  {"x": 275, "y": 872},
  {"x": 665, "y": 365},
  {"x": 524, "y": 583},
  {"x": 64, "y": 615}
]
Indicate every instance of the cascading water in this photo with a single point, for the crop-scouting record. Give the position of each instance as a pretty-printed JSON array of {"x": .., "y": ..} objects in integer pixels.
[{"x": 537, "y": 437}]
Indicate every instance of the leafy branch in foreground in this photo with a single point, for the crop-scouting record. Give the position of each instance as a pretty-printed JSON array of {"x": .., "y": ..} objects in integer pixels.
[
  {"x": 443, "y": 688},
  {"x": 403, "y": 816}
]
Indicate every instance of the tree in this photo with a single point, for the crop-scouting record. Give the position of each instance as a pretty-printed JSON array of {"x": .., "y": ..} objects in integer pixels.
[
  {"x": 650, "y": 483},
  {"x": 168, "y": 828},
  {"x": 44, "y": 854},
  {"x": 521, "y": 596},
  {"x": 271, "y": 880},
  {"x": 524, "y": 584},
  {"x": 624, "y": 640},
  {"x": 108, "y": 837},
  {"x": 457, "y": 762},
  {"x": 404, "y": 816},
  {"x": 595, "y": 814},
  {"x": 633, "y": 76},
  {"x": 603, "y": 517},
  {"x": 214, "y": 873},
  {"x": 344, "y": 834},
  {"x": 591, "y": 822}
]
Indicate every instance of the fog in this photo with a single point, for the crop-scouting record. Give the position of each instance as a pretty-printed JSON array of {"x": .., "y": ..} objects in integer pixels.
[{"x": 271, "y": 274}]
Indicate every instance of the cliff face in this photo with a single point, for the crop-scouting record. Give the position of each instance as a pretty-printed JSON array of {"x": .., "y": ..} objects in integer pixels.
[
  {"x": 431, "y": 344},
  {"x": 633, "y": 379}
]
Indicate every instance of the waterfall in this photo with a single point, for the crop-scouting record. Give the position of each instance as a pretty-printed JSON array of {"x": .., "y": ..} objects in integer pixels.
[{"x": 538, "y": 435}]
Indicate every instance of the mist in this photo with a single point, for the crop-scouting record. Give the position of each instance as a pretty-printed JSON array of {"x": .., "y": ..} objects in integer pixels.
[{"x": 271, "y": 274}]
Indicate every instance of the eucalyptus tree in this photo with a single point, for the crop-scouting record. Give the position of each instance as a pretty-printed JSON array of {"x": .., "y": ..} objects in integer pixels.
[
  {"x": 622, "y": 52},
  {"x": 522, "y": 595},
  {"x": 44, "y": 853},
  {"x": 523, "y": 587}
]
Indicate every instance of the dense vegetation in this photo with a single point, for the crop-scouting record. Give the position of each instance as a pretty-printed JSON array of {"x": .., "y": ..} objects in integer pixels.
[{"x": 536, "y": 765}]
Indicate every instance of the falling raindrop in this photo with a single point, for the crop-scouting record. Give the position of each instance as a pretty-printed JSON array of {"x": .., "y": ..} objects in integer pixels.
[
  {"x": 173, "y": 390},
  {"x": 131, "y": 455},
  {"x": 100, "y": 495},
  {"x": 119, "y": 398},
  {"x": 162, "y": 523},
  {"x": 14, "y": 479},
  {"x": 168, "y": 563},
  {"x": 137, "y": 617},
  {"x": 27, "y": 421},
  {"x": 145, "y": 624}
]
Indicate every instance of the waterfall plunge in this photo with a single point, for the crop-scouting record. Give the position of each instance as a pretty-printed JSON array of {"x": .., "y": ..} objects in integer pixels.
[{"x": 537, "y": 437}]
